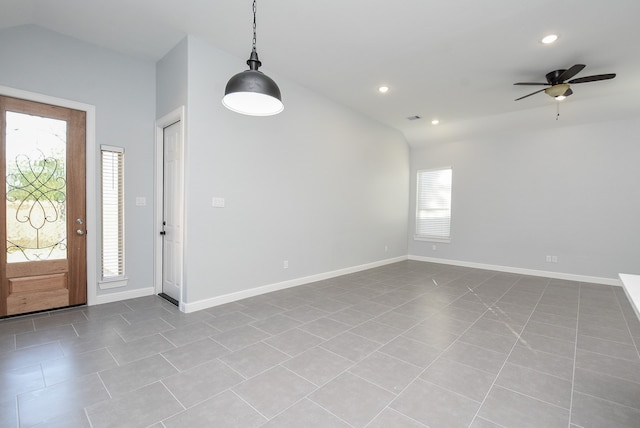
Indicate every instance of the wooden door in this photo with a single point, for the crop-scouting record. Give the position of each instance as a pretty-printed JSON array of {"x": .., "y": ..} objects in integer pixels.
[{"x": 42, "y": 206}]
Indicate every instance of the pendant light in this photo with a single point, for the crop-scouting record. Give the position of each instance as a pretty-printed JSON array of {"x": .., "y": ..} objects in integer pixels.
[{"x": 251, "y": 92}]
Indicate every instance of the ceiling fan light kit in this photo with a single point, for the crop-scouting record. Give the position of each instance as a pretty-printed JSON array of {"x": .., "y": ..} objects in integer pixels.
[
  {"x": 251, "y": 92},
  {"x": 557, "y": 90}
]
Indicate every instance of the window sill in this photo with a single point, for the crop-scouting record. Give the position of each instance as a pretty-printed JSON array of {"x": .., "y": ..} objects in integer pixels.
[
  {"x": 106, "y": 284},
  {"x": 431, "y": 239}
]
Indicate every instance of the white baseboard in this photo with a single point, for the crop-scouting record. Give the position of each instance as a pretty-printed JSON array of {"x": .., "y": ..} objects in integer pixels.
[
  {"x": 521, "y": 271},
  {"x": 124, "y": 295},
  {"x": 232, "y": 297}
]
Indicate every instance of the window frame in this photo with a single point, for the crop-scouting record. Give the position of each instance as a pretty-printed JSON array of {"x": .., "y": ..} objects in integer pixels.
[
  {"x": 420, "y": 183},
  {"x": 119, "y": 279}
]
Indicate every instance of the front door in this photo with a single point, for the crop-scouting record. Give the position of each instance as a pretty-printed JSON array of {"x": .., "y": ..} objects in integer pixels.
[{"x": 42, "y": 207}]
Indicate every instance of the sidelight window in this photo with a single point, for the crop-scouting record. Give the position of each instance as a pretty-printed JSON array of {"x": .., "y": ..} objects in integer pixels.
[{"x": 112, "y": 212}]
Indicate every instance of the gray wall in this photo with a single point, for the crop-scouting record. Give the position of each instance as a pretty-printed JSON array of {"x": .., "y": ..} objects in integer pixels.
[
  {"x": 172, "y": 80},
  {"x": 326, "y": 188},
  {"x": 123, "y": 91},
  {"x": 318, "y": 185},
  {"x": 572, "y": 192}
]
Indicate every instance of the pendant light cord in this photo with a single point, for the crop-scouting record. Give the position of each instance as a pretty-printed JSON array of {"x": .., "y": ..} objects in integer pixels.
[
  {"x": 254, "y": 24},
  {"x": 253, "y": 62}
]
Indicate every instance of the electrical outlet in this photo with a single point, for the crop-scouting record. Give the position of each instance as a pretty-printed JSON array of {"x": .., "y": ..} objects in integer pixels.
[{"x": 285, "y": 264}]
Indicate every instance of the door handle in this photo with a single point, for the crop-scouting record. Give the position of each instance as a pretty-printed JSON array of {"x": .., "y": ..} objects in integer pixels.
[{"x": 162, "y": 232}]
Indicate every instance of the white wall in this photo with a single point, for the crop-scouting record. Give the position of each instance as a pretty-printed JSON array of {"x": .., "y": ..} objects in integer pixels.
[
  {"x": 123, "y": 91},
  {"x": 572, "y": 192},
  {"x": 318, "y": 185}
]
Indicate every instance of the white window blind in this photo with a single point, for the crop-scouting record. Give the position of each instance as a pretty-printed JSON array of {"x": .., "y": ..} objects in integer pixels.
[
  {"x": 433, "y": 205},
  {"x": 112, "y": 212}
]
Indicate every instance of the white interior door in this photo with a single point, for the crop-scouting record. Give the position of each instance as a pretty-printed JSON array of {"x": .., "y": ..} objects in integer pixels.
[{"x": 172, "y": 229}]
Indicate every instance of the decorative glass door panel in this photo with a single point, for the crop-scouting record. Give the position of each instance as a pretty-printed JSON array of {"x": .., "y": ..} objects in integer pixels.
[
  {"x": 42, "y": 168},
  {"x": 36, "y": 188}
]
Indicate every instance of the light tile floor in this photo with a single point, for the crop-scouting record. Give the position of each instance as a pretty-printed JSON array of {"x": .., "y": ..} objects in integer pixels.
[{"x": 410, "y": 344}]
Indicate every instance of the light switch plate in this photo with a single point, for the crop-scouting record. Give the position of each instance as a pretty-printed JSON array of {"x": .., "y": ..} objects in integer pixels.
[
  {"x": 217, "y": 202},
  {"x": 141, "y": 201}
]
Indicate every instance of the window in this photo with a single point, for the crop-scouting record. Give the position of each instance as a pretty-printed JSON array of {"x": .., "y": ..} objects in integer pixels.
[
  {"x": 433, "y": 205},
  {"x": 112, "y": 213}
]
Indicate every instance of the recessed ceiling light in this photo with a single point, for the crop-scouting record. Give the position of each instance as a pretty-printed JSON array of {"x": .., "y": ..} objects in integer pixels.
[
  {"x": 383, "y": 89},
  {"x": 547, "y": 40},
  {"x": 435, "y": 122}
]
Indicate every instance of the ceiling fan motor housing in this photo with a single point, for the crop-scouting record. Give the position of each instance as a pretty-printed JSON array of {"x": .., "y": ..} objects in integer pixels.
[{"x": 554, "y": 77}]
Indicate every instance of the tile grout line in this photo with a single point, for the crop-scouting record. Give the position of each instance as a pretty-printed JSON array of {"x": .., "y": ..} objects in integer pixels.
[
  {"x": 86, "y": 415},
  {"x": 612, "y": 341},
  {"x": 534, "y": 398},
  {"x": 250, "y": 405},
  {"x": 636, "y": 409},
  {"x": 395, "y": 411},
  {"x": 609, "y": 375},
  {"x": 16, "y": 402},
  {"x": 170, "y": 392}
]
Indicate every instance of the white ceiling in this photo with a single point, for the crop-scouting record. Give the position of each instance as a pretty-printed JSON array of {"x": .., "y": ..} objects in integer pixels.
[{"x": 454, "y": 60}]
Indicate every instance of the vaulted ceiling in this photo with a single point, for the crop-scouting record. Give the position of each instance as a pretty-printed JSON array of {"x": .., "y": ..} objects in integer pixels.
[{"x": 451, "y": 60}]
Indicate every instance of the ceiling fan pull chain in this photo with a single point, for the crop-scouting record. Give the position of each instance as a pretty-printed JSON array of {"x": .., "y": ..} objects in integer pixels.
[{"x": 557, "y": 109}]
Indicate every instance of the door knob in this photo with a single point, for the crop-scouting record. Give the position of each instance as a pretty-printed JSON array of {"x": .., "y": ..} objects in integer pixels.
[{"x": 80, "y": 232}]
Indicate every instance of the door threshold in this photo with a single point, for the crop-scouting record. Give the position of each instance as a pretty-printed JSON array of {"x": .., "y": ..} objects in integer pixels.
[
  {"x": 169, "y": 299},
  {"x": 42, "y": 311}
]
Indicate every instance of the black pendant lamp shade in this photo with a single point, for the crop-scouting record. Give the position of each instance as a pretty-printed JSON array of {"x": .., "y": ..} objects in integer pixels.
[{"x": 251, "y": 92}]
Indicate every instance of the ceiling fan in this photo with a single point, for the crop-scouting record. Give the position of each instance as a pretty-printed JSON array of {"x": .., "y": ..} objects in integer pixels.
[{"x": 558, "y": 81}]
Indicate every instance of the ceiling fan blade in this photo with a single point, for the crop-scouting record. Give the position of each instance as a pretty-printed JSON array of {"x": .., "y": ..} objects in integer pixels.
[
  {"x": 569, "y": 73},
  {"x": 531, "y": 83},
  {"x": 533, "y": 93},
  {"x": 593, "y": 78}
]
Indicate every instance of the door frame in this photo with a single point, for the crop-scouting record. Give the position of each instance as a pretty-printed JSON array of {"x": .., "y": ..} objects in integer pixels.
[
  {"x": 177, "y": 115},
  {"x": 90, "y": 145}
]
